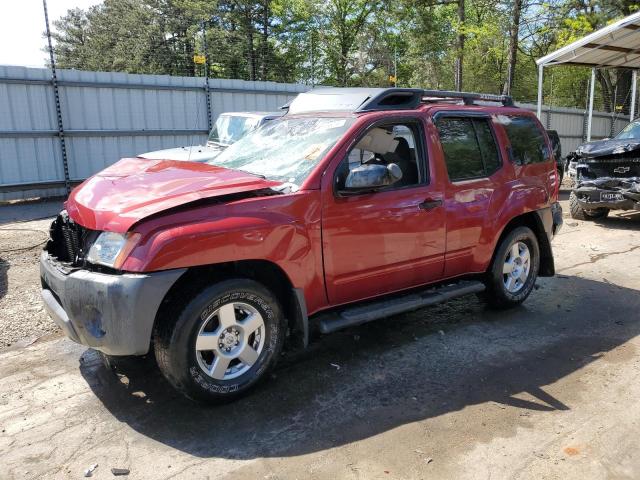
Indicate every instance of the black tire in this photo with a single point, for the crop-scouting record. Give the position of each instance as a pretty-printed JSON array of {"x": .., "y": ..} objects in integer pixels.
[
  {"x": 176, "y": 333},
  {"x": 579, "y": 213},
  {"x": 497, "y": 295}
]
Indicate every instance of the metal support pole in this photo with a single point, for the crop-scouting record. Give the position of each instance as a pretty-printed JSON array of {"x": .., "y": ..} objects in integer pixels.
[
  {"x": 56, "y": 95},
  {"x": 395, "y": 66},
  {"x": 206, "y": 76},
  {"x": 313, "y": 63},
  {"x": 612, "y": 124},
  {"x": 540, "y": 73},
  {"x": 592, "y": 87},
  {"x": 632, "y": 110}
]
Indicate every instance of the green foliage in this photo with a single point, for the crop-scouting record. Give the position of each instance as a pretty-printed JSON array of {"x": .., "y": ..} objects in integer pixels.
[{"x": 343, "y": 42}]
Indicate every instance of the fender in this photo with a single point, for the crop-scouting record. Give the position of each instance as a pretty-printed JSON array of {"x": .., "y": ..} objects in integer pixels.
[
  {"x": 520, "y": 200},
  {"x": 283, "y": 229}
]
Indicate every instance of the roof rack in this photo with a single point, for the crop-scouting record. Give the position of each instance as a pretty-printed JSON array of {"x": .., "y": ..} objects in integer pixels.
[
  {"x": 409, "y": 98},
  {"x": 376, "y": 99},
  {"x": 469, "y": 97}
]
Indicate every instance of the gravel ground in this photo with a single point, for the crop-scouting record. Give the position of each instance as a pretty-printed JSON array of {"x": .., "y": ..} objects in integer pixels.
[
  {"x": 22, "y": 316},
  {"x": 549, "y": 390}
]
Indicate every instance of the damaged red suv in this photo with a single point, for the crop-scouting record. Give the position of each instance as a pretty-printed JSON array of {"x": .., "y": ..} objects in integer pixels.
[{"x": 356, "y": 205}]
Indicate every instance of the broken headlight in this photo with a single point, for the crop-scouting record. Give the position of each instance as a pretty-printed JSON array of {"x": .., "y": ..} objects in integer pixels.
[{"x": 111, "y": 249}]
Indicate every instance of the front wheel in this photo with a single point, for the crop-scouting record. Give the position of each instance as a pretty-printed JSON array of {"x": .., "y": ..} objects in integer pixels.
[
  {"x": 221, "y": 342},
  {"x": 579, "y": 213},
  {"x": 514, "y": 269}
]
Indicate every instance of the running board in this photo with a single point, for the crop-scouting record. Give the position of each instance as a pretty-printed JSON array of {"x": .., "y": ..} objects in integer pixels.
[{"x": 351, "y": 316}]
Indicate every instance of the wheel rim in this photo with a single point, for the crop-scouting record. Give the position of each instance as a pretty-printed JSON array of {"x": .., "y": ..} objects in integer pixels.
[
  {"x": 517, "y": 265},
  {"x": 230, "y": 341}
]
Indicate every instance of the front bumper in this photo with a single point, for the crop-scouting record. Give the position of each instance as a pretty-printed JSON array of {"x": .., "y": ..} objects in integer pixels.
[
  {"x": 589, "y": 194},
  {"x": 111, "y": 313}
]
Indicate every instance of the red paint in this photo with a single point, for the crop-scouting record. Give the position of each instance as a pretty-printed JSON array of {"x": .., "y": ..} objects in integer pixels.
[
  {"x": 132, "y": 189},
  {"x": 337, "y": 249}
]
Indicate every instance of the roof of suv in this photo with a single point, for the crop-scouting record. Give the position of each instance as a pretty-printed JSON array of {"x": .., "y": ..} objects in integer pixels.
[{"x": 358, "y": 100}]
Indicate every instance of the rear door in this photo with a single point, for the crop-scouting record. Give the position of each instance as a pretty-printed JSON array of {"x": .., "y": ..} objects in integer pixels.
[
  {"x": 531, "y": 155},
  {"x": 379, "y": 242},
  {"x": 473, "y": 161}
]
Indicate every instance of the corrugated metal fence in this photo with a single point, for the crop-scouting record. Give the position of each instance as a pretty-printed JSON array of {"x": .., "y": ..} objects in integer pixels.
[
  {"x": 108, "y": 116},
  {"x": 571, "y": 124}
]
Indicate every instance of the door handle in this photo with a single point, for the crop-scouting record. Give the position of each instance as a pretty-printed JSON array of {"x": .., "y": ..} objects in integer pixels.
[{"x": 430, "y": 203}]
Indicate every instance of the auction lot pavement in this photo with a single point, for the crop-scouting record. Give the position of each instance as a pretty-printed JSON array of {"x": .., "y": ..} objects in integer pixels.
[{"x": 549, "y": 390}]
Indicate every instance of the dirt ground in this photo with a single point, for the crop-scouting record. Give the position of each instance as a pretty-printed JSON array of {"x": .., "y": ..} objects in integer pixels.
[
  {"x": 22, "y": 316},
  {"x": 549, "y": 390}
]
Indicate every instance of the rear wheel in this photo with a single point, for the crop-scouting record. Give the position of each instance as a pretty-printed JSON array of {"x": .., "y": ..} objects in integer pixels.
[
  {"x": 222, "y": 342},
  {"x": 579, "y": 213},
  {"x": 514, "y": 269}
]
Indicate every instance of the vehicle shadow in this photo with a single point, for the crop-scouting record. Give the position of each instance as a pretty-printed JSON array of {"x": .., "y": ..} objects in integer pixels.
[
  {"x": 620, "y": 220},
  {"x": 362, "y": 382}
]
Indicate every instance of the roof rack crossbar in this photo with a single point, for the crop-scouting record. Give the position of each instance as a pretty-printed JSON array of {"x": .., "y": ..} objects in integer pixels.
[{"x": 469, "y": 97}]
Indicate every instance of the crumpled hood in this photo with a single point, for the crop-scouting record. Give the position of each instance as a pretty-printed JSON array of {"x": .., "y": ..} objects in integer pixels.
[
  {"x": 603, "y": 148},
  {"x": 194, "y": 153},
  {"x": 133, "y": 188}
]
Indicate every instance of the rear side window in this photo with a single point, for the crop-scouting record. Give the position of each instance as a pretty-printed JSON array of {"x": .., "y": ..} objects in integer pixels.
[
  {"x": 469, "y": 147},
  {"x": 527, "y": 141}
]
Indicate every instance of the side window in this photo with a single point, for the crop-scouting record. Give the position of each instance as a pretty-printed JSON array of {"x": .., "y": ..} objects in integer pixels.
[
  {"x": 488, "y": 147},
  {"x": 384, "y": 144},
  {"x": 527, "y": 142},
  {"x": 469, "y": 147}
]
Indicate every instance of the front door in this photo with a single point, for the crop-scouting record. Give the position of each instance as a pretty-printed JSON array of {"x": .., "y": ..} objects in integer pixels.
[{"x": 387, "y": 240}]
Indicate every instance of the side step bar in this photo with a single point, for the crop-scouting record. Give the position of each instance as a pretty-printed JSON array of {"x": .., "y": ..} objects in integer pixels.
[{"x": 351, "y": 316}]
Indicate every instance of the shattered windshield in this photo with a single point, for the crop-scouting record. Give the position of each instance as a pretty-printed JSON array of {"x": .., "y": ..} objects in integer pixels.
[
  {"x": 285, "y": 150},
  {"x": 231, "y": 128},
  {"x": 630, "y": 131}
]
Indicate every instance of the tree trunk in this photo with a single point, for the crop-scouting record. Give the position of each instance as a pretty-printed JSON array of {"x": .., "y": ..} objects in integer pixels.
[
  {"x": 460, "y": 47},
  {"x": 607, "y": 89},
  {"x": 251, "y": 51},
  {"x": 513, "y": 47},
  {"x": 265, "y": 39}
]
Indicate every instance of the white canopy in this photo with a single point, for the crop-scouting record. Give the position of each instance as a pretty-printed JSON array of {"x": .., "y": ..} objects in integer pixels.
[{"x": 614, "y": 46}]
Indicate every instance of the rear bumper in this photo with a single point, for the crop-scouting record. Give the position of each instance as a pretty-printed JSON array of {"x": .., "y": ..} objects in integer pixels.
[{"x": 108, "y": 312}]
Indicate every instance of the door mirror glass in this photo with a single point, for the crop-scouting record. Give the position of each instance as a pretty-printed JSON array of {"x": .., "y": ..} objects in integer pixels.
[{"x": 372, "y": 176}]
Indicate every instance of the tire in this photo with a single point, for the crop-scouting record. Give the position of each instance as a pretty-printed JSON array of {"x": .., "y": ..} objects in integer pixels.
[
  {"x": 579, "y": 213},
  {"x": 200, "y": 345},
  {"x": 499, "y": 293}
]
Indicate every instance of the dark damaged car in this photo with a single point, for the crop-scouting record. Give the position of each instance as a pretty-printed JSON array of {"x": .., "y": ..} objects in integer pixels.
[{"x": 606, "y": 175}]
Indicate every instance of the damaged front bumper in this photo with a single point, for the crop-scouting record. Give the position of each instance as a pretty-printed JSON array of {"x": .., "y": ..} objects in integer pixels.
[
  {"x": 113, "y": 313},
  {"x": 611, "y": 193}
]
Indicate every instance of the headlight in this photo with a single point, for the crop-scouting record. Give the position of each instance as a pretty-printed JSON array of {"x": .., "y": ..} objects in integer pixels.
[{"x": 111, "y": 249}]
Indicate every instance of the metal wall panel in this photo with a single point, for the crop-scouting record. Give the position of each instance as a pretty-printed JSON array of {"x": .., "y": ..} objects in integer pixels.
[
  {"x": 108, "y": 116},
  {"x": 570, "y": 123}
]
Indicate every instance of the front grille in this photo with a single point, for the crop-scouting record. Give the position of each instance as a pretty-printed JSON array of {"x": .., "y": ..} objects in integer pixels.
[
  {"x": 69, "y": 241},
  {"x": 617, "y": 168}
]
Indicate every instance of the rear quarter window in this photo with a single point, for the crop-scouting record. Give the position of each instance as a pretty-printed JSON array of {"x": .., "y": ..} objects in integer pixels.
[{"x": 528, "y": 143}]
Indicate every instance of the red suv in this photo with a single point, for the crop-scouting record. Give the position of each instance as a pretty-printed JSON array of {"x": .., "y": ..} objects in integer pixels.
[{"x": 356, "y": 205}]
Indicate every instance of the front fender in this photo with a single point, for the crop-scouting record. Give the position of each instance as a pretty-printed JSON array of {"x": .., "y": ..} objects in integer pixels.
[{"x": 283, "y": 229}]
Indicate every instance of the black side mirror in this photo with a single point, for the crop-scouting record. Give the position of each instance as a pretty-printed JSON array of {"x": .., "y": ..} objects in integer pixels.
[{"x": 372, "y": 177}]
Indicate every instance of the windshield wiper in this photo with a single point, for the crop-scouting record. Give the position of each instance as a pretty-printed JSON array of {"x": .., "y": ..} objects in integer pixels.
[{"x": 253, "y": 173}]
